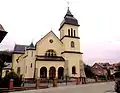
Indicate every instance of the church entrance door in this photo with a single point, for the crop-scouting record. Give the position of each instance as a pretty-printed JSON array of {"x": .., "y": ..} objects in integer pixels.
[
  {"x": 43, "y": 72},
  {"x": 52, "y": 72},
  {"x": 60, "y": 73}
]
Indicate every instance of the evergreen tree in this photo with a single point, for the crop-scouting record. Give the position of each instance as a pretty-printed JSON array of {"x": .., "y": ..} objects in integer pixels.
[
  {"x": 5, "y": 56},
  {"x": 88, "y": 71}
]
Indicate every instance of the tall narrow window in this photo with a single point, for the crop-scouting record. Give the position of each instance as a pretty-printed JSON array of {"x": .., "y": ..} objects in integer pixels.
[
  {"x": 71, "y": 32},
  {"x": 72, "y": 44},
  {"x": 74, "y": 33},
  {"x": 48, "y": 54},
  {"x": 73, "y": 70},
  {"x": 68, "y": 32},
  {"x": 32, "y": 54},
  {"x": 26, "y": 69},
  {"x": 31, "y": 65}
]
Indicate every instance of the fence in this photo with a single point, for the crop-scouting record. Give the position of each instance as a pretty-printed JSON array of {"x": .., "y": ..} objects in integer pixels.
[{"x": 41, "y": 83}]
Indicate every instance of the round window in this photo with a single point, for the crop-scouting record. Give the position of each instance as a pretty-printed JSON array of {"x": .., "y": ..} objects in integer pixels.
[{"x": 51, "y": 41}]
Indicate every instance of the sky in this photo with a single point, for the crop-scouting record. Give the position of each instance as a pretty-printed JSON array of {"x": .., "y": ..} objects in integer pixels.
[{"x": 99, "y": 31}]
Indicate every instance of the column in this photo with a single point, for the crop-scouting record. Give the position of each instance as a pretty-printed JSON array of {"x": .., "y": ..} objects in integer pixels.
[
  {"x": 56, "y": 72},
  {"x": 36, "y": 73},
  {"x": 66, "y": 68}
]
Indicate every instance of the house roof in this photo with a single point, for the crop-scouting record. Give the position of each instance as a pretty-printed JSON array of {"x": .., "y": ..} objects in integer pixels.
[
  {"x": 2, "y": 33},
  {"x": 1, "y": 28},
  {"x": 69, "y": 19},
  {"x": 19, "y": 48},
  {"x": 103, "y": 65}
]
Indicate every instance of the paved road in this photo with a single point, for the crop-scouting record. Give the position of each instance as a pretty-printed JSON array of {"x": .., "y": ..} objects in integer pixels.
[{"x": 87, "y": 88}]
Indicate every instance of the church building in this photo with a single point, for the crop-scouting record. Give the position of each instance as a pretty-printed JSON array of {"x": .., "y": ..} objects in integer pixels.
[{"x": 52, "y": 57}]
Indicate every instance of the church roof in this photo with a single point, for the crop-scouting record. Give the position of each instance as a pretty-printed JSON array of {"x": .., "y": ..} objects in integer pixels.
[
  {"x": 47, "y": 35},
  {"x": 19, "y": 48},
  {"x": 31, "y": 46},
  {"x": 69, "y": 19}
]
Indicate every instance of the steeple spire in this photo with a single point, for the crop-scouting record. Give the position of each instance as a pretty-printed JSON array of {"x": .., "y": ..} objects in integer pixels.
[
  {"x": 69, "y": 19},
  {"x": 68, "y": 13},
  {"x": 31, "y": 46}
]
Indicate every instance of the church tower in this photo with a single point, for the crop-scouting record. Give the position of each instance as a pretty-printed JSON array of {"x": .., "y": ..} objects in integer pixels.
[{"x": 71, "y": 45}]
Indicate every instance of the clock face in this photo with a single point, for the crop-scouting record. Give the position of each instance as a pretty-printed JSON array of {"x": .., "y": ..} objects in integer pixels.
[{"x": 51, "y": 41}]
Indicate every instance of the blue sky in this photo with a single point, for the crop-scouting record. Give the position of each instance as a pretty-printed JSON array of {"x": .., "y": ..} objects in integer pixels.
[{"x": 29, "y": 20}]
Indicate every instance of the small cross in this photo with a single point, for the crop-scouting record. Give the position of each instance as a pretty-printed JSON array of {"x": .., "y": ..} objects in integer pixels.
[
  {"x": 32, "y": 41},
  {"x": 68, "y": 3}
]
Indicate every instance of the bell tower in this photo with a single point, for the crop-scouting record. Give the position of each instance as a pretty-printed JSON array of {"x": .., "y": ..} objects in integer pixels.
[
  {"x": 71, "y": 44},
  {"x": 69, "y": 32}
]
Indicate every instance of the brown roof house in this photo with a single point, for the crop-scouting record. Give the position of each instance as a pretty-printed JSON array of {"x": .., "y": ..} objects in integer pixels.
[{"x": 102, "y": 68}]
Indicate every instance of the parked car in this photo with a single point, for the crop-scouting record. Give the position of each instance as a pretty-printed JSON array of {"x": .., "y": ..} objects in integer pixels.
[{"x": 117, "y": 86}]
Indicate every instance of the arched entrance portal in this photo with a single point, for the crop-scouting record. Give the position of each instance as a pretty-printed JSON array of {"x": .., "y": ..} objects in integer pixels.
[
  {"x": 52, "y": 72},
  {"x": 43, "y": 72},
  {"x": 60, "y": 73}
]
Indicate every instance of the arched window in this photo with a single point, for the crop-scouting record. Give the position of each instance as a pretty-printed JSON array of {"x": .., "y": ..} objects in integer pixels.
[
  {"x": 73, "y": 70},
  {"x": 68, "y": 32},
  {"x": 32, "y": 54},
  {"x": 72, "y": 44},
  {"x": 50, "y": 53},
  {"x": 74, "y": 33},
  {"x": 71, "y": 32}
]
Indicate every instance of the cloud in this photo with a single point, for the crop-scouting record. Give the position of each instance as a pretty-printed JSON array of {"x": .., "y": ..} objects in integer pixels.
[{"x": 99, "y": 31}]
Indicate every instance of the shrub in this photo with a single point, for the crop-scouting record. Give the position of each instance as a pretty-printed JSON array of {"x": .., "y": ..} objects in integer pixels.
[
  {"x": 11, "y": 75},
  {"x": 117, "y": 75},
  {"x": 101, "y": 77}
]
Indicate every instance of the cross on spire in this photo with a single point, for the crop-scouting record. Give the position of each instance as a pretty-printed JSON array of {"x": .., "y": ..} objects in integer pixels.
[{"x": 68, "y": 3}]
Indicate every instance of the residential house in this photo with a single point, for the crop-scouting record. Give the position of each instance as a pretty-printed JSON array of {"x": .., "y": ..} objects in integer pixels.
[{"x": 102, "y": 68}]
